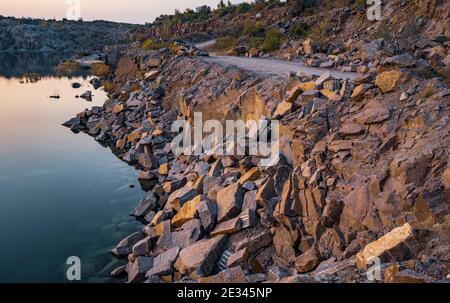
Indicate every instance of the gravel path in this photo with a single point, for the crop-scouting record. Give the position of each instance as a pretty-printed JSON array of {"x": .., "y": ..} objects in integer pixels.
[{"x": 271, "y": 66}]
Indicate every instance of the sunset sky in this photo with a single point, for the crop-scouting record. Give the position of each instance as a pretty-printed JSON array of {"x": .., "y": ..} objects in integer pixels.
[{"x": 133, "y": 11}]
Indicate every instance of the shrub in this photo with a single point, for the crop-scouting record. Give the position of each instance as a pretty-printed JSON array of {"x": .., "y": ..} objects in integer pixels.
[
  {"x": 226, "y": 42},
  {"x": 150, "y": 44},
  {"x": 67, "y": 67},
  {"x": 300, "y": 29},
  {"x": 428, "y": 91},
  {"x": 253, "y": 29},
  {"x": 271, "y": 40},
  {"x": 100, "y": 69}
]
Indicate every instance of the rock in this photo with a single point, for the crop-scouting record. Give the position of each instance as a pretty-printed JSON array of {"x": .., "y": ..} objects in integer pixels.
[
  {"x": 151, "y": 75},
  {"x": 164, "y": 169},
  {"x": 232, "y": 275},
  {"x": 321, "y": 80},
  {"x": 447, "y": 61},
  {"x": 307, "y": 86},
  {"x": 228, "y": 227},
  {"x": 181, "y": 196},
  {"x": 87, "y": 95},
  {"x": 396, "y": 245},
  {"x": 216, "y": 169},
  {"x": 351, "y": 129},
  {"x": 391, "y": 80},
  {"x": 309, "y": 47},
  {"x": 254, "y": 242},
  {"x": 163, "y": 264},
  {"x": 283, "y": 109},
  {"x": 369, "y": 50},
  {"x": 119, "y": 272},
  {"x": 404, "y": 96},
  {"x": 207, "y": 211},
  {"x": 190, "y": 233},
  {"x": 373, "y": 115},
  {"x": 327, "y": 64},
  {"x": 239, "y": 258},
  {"x": 229, "y": 202},
  {"x": 284, "y": 245},
  {"x": 404, "y": 60},
  {"x": 76, "y": 85},
  {"x": 137, "y": 270},
  {"x": 142, "y": 248},
  {"x": 200, "y": 258},
  {"x": 124, "y": 247},
  {"x": 265, "y": 193},
  {"x": 187, "y": 212},
  {"x": 393, "y": 275},
  {"x": 251, "y": 175},
  {"x": 307, "y": 261},
  {"x": 330, "y": 95},
  {"x": 359, "y": 91}
]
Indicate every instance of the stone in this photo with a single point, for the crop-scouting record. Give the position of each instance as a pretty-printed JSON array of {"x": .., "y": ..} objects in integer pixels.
[
  {"x": 351, "y": 129},
  {"x": 321, "y": 80},
  {"x": 160, "y": 229},
  {"x": 164, "y": 169},
  {"x": 373, "y": 115},
  {"x": 359, "y": 91},
  {"x": 163, "y": 263},
  {"x": 309, "y": 47},
  {"x": 229, "y": 202},
  {"x": 389, "y": 81},
  {"x": 265, "y": 193},
  {"x": 307, "y": 86},
  {"x": 283, "y": 109},
  {"x": 307, "y": 262},
  {"x": 142, "y": 248},
  {"x": 137, "y": 269},
  {"x": 228, "y": 227},
  {"x": 394, "y": 246},
  {"x": 251, "y": 175},
  {"x": 207, "y": 212},
  {"x": 200, "y": 258},
  {"x": 255, "y": 241},
  {"x": 367, "y": 51},
  {"x": 76, "y": 85},
  {"x": 239, "y": 258},
  {"x": 151, "y": 75},
  {"x": 330, "y": 95},
  {"x": 231, "y": 275},
  {"x": 170, "y": 187},
  {"x": 124, "y": 247},
  {"x": 392, "y": 274},
  {"x": 216, "y": 169},
  {"x": 283, "y": 244},
  {"x": 190, "y": 233},
  {"x": 404, "y": 60},
  {"x": 119, "y": 108},
  {"x": 181, "y": 196},
  {"x": 187, "y": 212},
  {"x": 119, "y": 272},
  {"x": 293, "y": 94}
]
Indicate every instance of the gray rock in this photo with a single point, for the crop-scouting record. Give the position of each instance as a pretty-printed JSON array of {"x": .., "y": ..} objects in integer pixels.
[
  {"x": 137, "y": 270},
  {"x": 124, "y": 247},
  {"x": 207, "y": 211},
  {"x": 229, "y": 202},
  {"x": 163, "y": 264}
]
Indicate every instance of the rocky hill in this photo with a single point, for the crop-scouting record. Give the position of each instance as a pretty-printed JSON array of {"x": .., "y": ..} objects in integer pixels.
[
  {"x": 364, "y": 171},
  {"x": 62, "y": 36}
]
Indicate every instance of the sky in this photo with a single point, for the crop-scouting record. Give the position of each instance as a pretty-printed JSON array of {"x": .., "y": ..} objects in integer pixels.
[{"x": 131, "y": 11}]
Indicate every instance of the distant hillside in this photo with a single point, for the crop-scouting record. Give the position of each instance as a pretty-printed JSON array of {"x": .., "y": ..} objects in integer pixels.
[{"x": 49, "y": 35}]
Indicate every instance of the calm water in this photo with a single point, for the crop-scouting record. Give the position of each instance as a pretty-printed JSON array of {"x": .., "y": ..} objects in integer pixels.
[{"x": 61, "y": 194}]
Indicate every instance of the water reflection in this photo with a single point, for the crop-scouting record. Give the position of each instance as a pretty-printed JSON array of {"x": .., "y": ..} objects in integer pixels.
[{"x": 61, "y": 194}]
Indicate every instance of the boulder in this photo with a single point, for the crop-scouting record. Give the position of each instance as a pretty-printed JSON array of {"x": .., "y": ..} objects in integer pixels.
[
  {"x": 181, "y": 196},
  {"x": 404, "y": 60},
  {"x": 187, "y": 212},
  {"x": 229, "y": 202},
  {"x": 283, "y": 109},
  {"x": 163, "y": 264},
  {"x": 284, "y": 244},
  {"x": 397, "y": 245},
  {"x": 207, "y": 212},
  {"x": 190, "y": 233},
  {"x": 251, "y": 175},
  {"x": 124, "y": 247},
  {"x": 232, "y": 275},
  {"x": 389, "y": 81},
  {"x": 307, "y": 262},
  {"x": 137, "y": 269},
  {"x": 200, "y": 258},
  {"x": 239, "y": 258},
  {"x": 228, "y": 227},
  {"x": 142, "y": 248}
]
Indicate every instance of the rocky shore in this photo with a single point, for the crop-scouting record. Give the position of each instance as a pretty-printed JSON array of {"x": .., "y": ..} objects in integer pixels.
[{"x": 364, "y": 172}]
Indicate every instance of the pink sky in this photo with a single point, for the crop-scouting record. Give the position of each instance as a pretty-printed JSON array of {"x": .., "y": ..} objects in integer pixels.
[{"x": 133, "y": 11}]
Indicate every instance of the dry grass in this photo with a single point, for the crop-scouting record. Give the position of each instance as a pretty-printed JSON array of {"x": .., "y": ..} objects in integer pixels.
[
  {"x": 100, "y": 69},
  {"x": 67, "y": 67},
  {"x": 428, "y": 91}
]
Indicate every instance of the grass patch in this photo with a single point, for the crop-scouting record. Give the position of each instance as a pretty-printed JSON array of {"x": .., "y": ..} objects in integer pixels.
[
  {"x": 67, "y": 67},
  {"x": 227, "y": 42},
  {"x": 300, "y": 29},
  {"x": 100, "y": 69},
  {"x": 149, "y": 44}
]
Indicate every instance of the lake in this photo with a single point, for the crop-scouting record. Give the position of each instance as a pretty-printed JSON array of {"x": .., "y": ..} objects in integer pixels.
[{"x": 61, "y": 194}]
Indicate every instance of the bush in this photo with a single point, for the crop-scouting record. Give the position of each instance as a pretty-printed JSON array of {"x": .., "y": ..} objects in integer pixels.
[
  {"x": 253, "y": 29},
  {"x": 271, "y": 40},
  {"x": 100, "y": 69},
  {"x": 226, "y": 42},
  {"x": 300, "y": 29}
]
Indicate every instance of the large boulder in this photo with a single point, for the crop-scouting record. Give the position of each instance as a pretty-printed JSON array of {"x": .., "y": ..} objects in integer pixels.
[
  {"x": 229, "y": 202},
  {"x": 199, "y": 259},
  {"x": 389, "y": 81}
]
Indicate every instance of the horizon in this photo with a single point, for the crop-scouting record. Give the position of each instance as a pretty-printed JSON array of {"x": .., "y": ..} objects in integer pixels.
[{"x": 137, "y": 11}]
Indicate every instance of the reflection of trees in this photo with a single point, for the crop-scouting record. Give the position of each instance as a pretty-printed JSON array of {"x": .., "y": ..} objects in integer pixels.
[{"x": 20, "y": 64}]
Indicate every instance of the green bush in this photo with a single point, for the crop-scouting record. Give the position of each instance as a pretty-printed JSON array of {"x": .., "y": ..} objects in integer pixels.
[
  {"x": 226, "y": 42},
  {"x": 271, "y": 40},
  {"x": 150, "y": 44},
  {"x": 253, "y": 29},
  {"x": 300, "y": 29}
]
